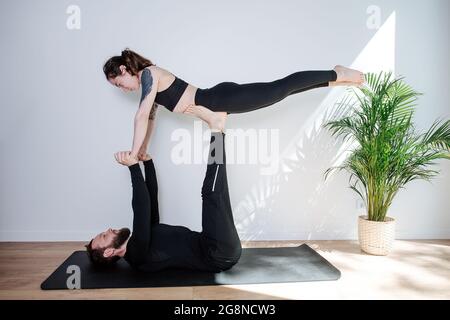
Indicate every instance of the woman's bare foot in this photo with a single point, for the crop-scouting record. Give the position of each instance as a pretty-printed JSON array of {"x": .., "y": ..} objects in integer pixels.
[
  {"x": 345, "y": 74},
  {"x": 215, "y": 120},
  {"x": 344, "y": 83},
  {"x": 218, "y": 123}
]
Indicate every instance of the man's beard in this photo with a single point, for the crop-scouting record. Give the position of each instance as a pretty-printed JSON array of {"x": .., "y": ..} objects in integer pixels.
[{"x": 121, "y": 237}]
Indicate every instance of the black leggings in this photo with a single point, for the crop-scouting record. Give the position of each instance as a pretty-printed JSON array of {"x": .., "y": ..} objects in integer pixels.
[
  {"x": 155, "y": 246},
  {"x": 219, "y": 238},
  {"x": 238, "y": 98}
]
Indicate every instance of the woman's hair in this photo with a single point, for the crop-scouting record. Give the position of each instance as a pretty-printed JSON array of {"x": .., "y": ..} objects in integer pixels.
[{"x": 130, "y": 59}]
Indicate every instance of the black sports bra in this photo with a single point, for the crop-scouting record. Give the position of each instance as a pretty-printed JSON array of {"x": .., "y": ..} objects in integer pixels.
[{"x": 169, "y": 97}]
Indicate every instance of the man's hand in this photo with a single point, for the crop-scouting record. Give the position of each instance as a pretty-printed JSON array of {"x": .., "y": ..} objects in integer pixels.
[{"x": 125, "y": 158}]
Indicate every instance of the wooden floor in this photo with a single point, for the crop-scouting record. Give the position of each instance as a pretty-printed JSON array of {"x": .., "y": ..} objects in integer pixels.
[{"x": 414, "y": 270}]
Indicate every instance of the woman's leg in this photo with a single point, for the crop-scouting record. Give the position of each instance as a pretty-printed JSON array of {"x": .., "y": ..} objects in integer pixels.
[
  {"x": 232, "y": 97},
  {"x": 219, "y": 238},
  {"x": 206, "y": 114}
]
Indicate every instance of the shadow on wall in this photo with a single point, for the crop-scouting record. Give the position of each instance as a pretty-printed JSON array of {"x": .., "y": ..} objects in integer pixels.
[
  {"x": 325, "y": 208},
  {"x": 301, "y": 172}
]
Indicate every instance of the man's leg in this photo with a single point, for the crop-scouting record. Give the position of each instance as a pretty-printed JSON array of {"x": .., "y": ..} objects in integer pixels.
[{"x": 220, "y": 239}]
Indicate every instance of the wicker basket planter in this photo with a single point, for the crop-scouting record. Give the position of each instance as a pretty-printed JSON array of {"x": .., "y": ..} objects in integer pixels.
[{"x": 376, "y": 237}]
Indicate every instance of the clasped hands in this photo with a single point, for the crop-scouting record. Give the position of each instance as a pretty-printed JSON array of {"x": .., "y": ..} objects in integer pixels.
[{"x": 125, "y": 158}]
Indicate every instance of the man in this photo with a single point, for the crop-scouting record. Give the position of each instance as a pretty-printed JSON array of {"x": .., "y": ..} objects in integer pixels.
[{"x": 154, "y": 246}]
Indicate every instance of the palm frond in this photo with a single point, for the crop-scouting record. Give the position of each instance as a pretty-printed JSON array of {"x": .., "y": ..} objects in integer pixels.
[
  {"x": 438, "y": 136},
  {"x": 389, "y": 154}
]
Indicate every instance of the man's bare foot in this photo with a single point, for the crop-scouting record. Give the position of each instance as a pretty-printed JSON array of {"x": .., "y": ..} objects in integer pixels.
[
  {"x": 215, "y": 120},
  {"x": 345, "y": 74}
]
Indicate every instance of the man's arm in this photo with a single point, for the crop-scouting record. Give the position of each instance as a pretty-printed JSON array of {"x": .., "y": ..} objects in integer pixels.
[
  {"x": 149, "y": 84},
  {"x": 152, "y": 187},
  {"x": 141, "y": 204}
]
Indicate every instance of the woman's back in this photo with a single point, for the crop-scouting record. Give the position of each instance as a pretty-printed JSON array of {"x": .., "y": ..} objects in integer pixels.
[{"x": 165, "y": 77}]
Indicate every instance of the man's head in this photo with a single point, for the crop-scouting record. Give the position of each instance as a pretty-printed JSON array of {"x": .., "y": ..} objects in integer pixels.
[{"x": 105, "y": 248}]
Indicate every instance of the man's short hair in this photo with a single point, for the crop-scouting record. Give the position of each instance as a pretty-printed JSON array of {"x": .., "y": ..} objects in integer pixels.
[{"x": 97, "y": 258}]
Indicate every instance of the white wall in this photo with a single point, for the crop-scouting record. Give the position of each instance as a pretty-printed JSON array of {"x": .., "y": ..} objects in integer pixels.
[{"x": 61, "y": 122}]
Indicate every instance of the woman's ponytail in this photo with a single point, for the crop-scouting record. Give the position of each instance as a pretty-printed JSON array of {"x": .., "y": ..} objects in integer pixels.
[{"x": 130, "y": 59}]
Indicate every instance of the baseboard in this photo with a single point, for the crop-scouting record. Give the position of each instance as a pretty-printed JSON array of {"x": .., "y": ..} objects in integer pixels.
[{"x": 25, "y": 236}]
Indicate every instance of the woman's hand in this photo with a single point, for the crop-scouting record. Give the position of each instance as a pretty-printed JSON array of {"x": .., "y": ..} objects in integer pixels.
[
  {"x": 144, "y": 157},
  {"x": 142, "y": 153},
  {"x": 124, "y": 158}
]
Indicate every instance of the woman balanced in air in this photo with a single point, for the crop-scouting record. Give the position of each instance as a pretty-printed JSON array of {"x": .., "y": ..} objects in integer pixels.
[{"x": 130, "y": 71}]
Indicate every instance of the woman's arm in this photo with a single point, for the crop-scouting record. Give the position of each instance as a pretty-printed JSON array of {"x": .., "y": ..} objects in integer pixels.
[
  {"x": 149, "y": 83},
  {"x": 150, "y": 127}
]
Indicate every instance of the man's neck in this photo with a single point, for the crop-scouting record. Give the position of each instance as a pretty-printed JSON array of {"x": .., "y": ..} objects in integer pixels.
[{"x": 123, "y": 249}]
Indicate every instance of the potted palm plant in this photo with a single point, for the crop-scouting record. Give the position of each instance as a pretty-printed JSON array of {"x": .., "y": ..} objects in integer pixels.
[{"x": 388, "y": 153}]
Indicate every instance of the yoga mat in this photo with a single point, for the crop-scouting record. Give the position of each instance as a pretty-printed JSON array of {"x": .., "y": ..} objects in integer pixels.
[{"x": 257, "y": 265}]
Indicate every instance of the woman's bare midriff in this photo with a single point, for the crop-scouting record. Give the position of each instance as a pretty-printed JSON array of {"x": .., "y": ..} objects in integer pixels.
[{"x": 165, "y": 80}]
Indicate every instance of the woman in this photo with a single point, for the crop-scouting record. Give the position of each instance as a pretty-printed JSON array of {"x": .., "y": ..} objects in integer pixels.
[{"x": 130, "y": 71}]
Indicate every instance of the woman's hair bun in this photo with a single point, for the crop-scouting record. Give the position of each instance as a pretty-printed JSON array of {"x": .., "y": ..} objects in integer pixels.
[{"x": 125, "y": 51}]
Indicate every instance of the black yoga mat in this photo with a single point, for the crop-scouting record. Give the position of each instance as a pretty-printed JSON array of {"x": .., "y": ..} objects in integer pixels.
[{"x": 257, "y": 265}]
